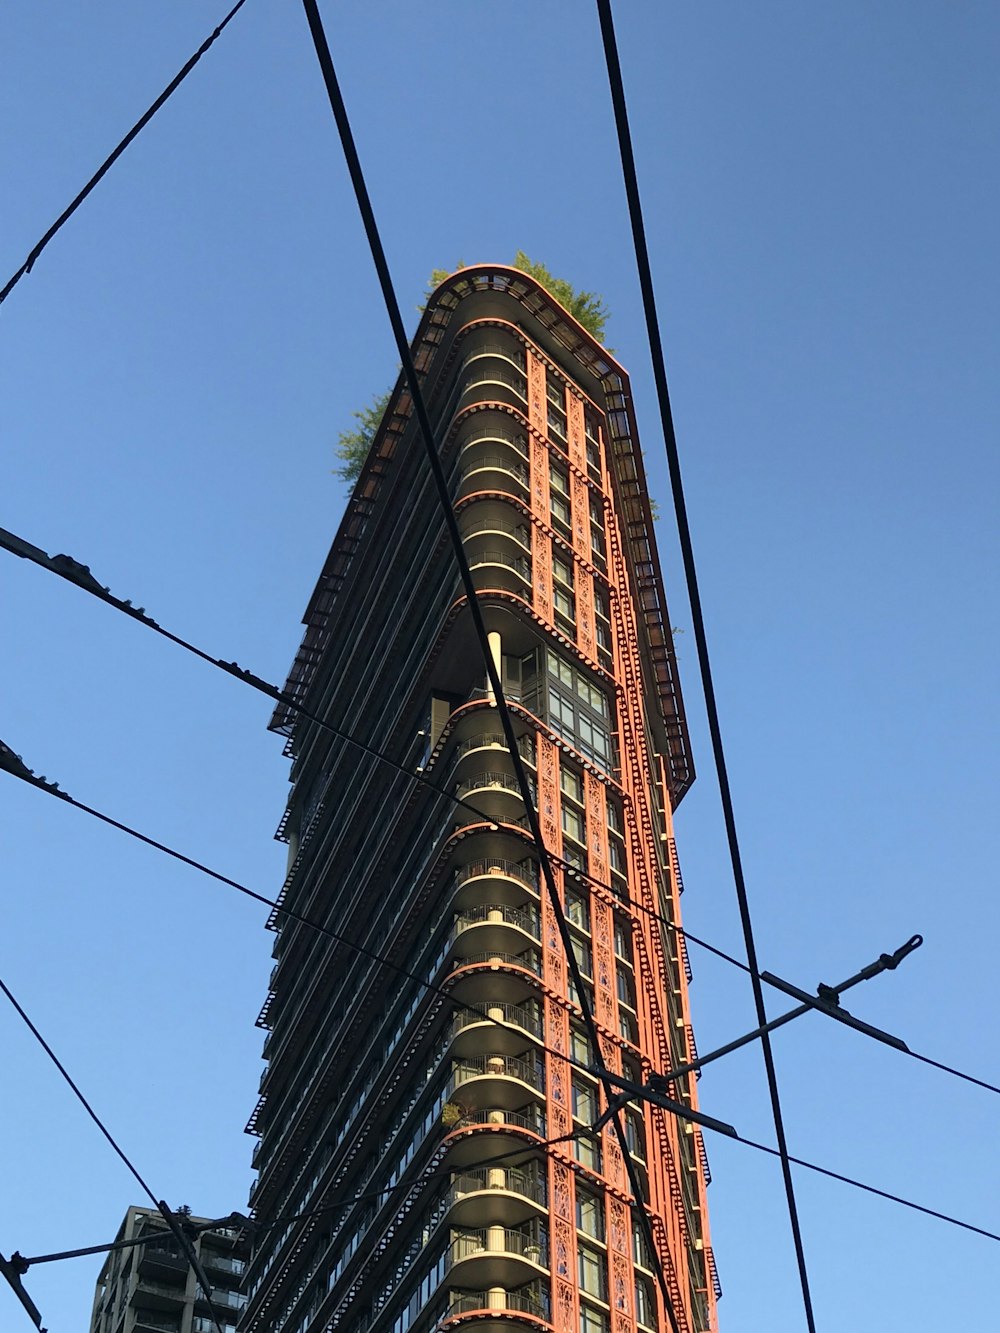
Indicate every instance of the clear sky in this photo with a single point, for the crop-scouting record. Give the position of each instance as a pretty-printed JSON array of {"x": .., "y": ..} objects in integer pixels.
[{"x": 821, "y": 193}]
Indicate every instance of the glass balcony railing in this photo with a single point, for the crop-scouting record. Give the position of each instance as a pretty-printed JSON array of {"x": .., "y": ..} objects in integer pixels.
[
  {"x": 530, "y": 1185},
  {"x": 500, "y": 1240}
]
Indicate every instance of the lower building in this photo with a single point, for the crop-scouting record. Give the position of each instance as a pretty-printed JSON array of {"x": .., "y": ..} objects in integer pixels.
[{"x": 152, "y": 1288}]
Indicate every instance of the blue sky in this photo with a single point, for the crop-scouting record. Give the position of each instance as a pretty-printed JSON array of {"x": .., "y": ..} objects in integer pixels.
[{"x": 821, "y": 199}]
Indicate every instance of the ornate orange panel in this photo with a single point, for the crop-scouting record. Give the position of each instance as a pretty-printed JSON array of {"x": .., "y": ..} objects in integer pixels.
[{"x": 574, "y": 432}]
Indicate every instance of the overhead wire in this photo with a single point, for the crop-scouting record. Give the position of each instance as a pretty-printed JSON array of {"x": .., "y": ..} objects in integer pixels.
[
  {"x": 161, "y": 1207},
  {"x": 528, "y": 1146},
  {"x": 617, "y": 90},
  {"x": 113, "y": 157},
  {"x": 81, "y": 577},
  {"x": 426, "y": 431}
]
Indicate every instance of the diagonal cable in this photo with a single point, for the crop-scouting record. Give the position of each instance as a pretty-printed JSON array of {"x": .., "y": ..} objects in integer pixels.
[
  {"x": 427, "y": 435},
  {"x": 157, "y": 1203},
  {"x": 109, "y": 162},
  {"x": 80, "y": 576},
  {"x": 697, "y": 619}
]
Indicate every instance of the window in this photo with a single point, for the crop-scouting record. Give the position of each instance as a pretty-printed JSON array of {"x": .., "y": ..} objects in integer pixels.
[
  {"x": 579, "y": 1046},
  {"x": 588, "y": 1153},
  {"x": 572, "y": 823},
  {"x": 577, "y": 909},
  {"x": 560, "y": 510},
  {"x": 590, "y": 1214},
  {"x": 623, "y": 939},
  {"x": 584, "y": 1102},
  {"x": 562, "y": 569},
  {"x": 571, "y": 784},
  {"x": 593, "y": 1321},
  {"x": 563, "y": 602},
  {"x": 635, "y": 1135},
  {"x": 625, "y": 987},
  {"x": 614, "y": 816},
  {"x": 593, "y": 1269},
  {"x": 559, "y": 479},
  {"x": 645, "y": 1304},
  {"x": 616, "y": 855}
]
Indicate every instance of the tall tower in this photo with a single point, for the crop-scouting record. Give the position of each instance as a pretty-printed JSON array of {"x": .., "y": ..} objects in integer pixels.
[{"x": 430, "y": 1108}]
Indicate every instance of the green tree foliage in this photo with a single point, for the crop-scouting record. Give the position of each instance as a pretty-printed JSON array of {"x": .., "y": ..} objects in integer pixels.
[
  {"x": 586, "y": 307},
  {"x": 352, "y": 445}
]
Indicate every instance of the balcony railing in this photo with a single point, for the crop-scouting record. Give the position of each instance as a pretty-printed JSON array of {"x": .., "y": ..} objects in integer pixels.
[
  {"x": 510, "y": 379},
  {"x": 514, "y": 355},
  {"x": 500, "y": 1240},
  {"x": 492, "y": 740},
  {"x": 518, "y": 531},
  {"x": 529, "y": 1300},
  {"x": 486, "y": 781},
  {"x": 512, "y": 869},
  {"x": 532, "y": 1119},
  {"x": 518, "y": 563},
  {"x": 157, "y": 1320},
  {"x": 518, "y": 1015},
  {"x": 494, "y": 463},
  {"x": 497, "y": 1066},
  {"x": 528, "y": 1184},
  {"x": 523, "y": 918}
]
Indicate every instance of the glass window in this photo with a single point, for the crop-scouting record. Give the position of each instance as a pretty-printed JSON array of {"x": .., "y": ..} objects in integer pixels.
[
  {"x": 560, "y": 509},
  {"x": 590, "y": 1214},
  {"x": 645, "y": 1304},
  {"x": 579, "y": 1046},
  {"x": 593, "y": 1272},
  {"x": 593, "y": 1321},
  {"x": 559, "y": 479},
  {"x": 577, "y": 909},
  {"x": 562, "y": 568},
  {"x": 572, "y": 823},
  {"x": 571, "y": 783},
  {"x": 584, "y": 1101}
]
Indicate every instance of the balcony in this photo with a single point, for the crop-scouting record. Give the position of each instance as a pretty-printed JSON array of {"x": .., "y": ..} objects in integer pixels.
[
  {"x": 496, "y": 1196},
  {"x": 474, "y": 1030},
  {"x": 155, "y": 1261},
  {"x": 495, "y": 977},
  {"x": 156, "y": 1320},
  {"x": 493, "y": 461},
  {"x": 158, "y": 1295},
  {"x": 532, "y": 1300},
  {"x": 497, "y": 568},
  {"x": 498, "y": 1256},
  {"x": 492, "y": 1131},
  {"x": 496, "y": 1080},
  {"x": 495, "y": 927}
]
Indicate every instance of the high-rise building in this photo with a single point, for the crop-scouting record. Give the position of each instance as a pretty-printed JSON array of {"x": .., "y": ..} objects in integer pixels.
[
  {"x": 409, "y": 1125},
  {"x": 152, "y": 1288}
]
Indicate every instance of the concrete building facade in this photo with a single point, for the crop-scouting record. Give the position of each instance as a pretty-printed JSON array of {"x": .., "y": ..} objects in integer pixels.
[
  {"x": 152, "y": 1288},
  {"x": 408, "y": 1123}
]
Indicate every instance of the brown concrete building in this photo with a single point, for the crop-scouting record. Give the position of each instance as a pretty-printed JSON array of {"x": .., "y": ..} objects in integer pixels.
[{"x": 400, "y": 1098}]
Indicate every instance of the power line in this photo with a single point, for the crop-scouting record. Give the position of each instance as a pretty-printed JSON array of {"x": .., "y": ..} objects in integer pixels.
[
  {"x": 159, "y": 1204},
  {"x": 527, "y": 1147},
  {"x": 80, "y": 575},
  {"x": 871, "y": 1189},
  {"x": 492, "y": 668},
  {"x": 109, "y": 162},
  {"x": 690, "y": 573}
]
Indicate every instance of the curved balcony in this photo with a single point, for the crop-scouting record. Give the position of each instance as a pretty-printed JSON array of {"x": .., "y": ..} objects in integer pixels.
[
  {"x": 497, "y": 1196},
  {"x": 495, "y": 794},
  {"x": 493, "y": 460},
  {"x": 511, "y": 352},
  {"x": 490, "y": 1132},
  {"x": 496, "y": 1080},
  {"x": 497, "y": 1256},
  {"x": 530, "y": 1300},
  {"x": 486, "y": 979},
  {"x": 500, "y": 569},
  {"x": 499, "y": 879},
  {"x": 490, "y": 376},
  {"x": 475, "y": 1029},
  {"x": 495, "y": 928},
  {"x": 493, "y": 521}
]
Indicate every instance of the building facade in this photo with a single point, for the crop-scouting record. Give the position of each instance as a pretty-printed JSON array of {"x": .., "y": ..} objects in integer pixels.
[
  {"x": 421, "y": 1115},
  {"x": 152, "y": 1288}
]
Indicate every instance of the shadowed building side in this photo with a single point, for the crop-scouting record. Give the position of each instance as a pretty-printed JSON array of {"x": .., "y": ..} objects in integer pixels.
[{"x": 377, "y": 1090}]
